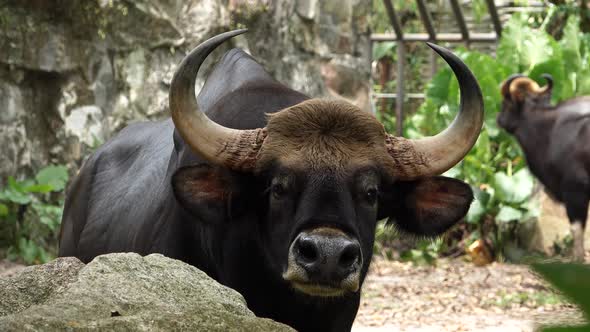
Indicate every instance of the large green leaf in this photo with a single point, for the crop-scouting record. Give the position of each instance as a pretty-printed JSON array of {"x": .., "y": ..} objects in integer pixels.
[
  {"x": 508, "y": 213},
  {"x": 48, "y": 214},
  {"x": 383, "y": 49},
  {"x": 570, "y": 44},
  {"x": 482, "y": 147},
  {"x": 584, "y": 328},
  {"x": 521, "y": 47},
  {"x": 478, "y": 208},
  {"x": 3, "y": 210},
  {"x": 532, "y": 207},
  {"x": 573, "y": 280},
  {"x": 15, "y": 193},
  {"x": 583, "y": 81},
  {"x": 516, "y": 188},
  {"x": 510, "y": 46},
  {"x": 54, "y": 176},
  {"x": 563, "y": 88},
  {"x": 39, "y": 188},
  {"x": 524, "y": 182},
  {"x": 438, "y": 89}
]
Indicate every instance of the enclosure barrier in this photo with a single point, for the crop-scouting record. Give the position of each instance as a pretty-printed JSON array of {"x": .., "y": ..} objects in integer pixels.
[{"x": 465, "y": 36}]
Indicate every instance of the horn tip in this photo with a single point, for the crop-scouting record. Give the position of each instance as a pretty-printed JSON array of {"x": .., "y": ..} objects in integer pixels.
[
  {"x": 434, "y": 46},
  {"x": 237, "y": 32},
  {"x": 442, "y": 51}
]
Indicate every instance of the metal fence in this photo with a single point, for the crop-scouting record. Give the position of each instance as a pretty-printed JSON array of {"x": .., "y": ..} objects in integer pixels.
[{"x": 464, "y": 36}]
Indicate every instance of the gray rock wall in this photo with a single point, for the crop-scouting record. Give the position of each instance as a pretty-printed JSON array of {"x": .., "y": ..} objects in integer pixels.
[{"x": 73, "y": 73}]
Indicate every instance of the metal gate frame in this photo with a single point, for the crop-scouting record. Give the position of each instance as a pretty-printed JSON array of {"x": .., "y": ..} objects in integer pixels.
[{"x": 465, "y": 36}]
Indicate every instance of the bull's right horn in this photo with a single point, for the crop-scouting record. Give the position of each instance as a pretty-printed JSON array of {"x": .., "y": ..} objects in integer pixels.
[
  {"x": 232, "y": 148},
  {"x": 434, "y": 155}
]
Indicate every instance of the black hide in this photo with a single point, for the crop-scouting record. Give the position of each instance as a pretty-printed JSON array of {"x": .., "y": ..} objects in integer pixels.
[
  {"x": 556, "y": 144},
  {"x": 145, "y": 191}
]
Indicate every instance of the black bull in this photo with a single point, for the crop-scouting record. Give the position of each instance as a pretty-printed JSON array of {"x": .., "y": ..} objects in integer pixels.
[
  {"x": 555, "y": 140},
  {"x": 293, "y": 235}
]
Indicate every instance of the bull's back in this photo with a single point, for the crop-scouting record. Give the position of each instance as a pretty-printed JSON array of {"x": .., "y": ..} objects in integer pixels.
[
  {"x": 569, "y": 152},
  {"x": 118, "y": 200}
]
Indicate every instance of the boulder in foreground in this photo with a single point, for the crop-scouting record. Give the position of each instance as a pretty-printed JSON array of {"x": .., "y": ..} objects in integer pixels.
[{"x": 123, "y": 292}]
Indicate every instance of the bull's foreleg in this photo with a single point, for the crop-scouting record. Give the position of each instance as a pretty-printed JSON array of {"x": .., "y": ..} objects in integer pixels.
[
  {"x": 576, "y": 204},
  {"x": 577, "y": 229}
]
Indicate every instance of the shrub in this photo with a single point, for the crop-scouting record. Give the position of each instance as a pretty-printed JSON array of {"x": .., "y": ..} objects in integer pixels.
[{"x": 30, "y": 215}]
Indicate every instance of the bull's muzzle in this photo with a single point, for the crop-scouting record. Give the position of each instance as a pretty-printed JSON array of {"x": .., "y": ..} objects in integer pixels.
[{"x": 324, "y": 262}]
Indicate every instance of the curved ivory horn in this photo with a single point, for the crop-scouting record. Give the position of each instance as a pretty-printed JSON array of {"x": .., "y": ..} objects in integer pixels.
[
  {"x": 235, "y": 149},
  {"x": 436, "y": 154},
  {"x": 519, "y": 87},
  {"x": 505, "y": 89}
]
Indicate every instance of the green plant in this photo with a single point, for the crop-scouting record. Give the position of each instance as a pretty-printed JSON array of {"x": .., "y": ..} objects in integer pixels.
[
  {"x": 30, "y": 214},
  {"x": 383, "y": 50},
  {"x": 495, "y": 167},
  {"x": 425, "y": 253},
  {"x": 385, "y": 238},
  {"x": 572, "y": 281},
  {"x": 564, "y": 247}
]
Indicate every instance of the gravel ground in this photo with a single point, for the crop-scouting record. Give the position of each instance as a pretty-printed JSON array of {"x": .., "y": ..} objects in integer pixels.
[
  {"x": 453, "y": 296},
  {"x": 458, "y": 296}
]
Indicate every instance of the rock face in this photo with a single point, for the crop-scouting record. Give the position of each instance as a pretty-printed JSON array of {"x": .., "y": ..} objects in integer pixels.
[
  {"x": 73, "y": 73},
  {"x": 550, "y": 229},
  {"x": 123, "y": 292}
]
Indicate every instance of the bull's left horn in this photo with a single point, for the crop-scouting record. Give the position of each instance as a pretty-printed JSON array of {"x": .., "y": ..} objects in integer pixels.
[
  {"x": 436, "y": 154},
  {"x": 232, "y": 148}
]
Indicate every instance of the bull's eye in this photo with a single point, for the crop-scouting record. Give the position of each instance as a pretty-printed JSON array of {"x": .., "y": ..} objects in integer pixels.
[
  {"x": 371, "y": 195},
  {"x": 278, "y": 190}
]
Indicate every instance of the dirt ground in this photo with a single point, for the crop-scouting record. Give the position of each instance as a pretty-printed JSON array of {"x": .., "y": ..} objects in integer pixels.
[
  {"x": 458, "y": 296},
  {"x": 453, "y": 296}
]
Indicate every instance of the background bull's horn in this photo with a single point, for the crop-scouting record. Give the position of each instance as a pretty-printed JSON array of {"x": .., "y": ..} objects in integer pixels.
[
  {"x": 435, "y": 155},
  {"x": 549, "y": 79},
  {"x": 521, "y": 87},
  {"x": 235, "y": 149},
  {"x": 505, "y": 89}
]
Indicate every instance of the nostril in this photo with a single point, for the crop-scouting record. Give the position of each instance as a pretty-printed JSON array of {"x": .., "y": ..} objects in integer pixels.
[
  {"x": 349, "y": 256},
  {"x": 307, "y": 250}
]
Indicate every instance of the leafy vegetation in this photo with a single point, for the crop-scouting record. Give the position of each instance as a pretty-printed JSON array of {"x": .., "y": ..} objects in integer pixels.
[
  {"x": 495, "y": 167},
  {"x": 30, "y": 215}
]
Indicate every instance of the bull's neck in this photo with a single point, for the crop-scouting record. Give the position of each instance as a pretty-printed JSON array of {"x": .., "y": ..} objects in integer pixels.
[{"x": 534, "y": 136}]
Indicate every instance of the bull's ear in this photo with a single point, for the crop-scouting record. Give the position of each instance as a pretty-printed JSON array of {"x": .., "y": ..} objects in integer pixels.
[
  {"x": 426, "y": 207},
  {"x": 209, "y": 193}
]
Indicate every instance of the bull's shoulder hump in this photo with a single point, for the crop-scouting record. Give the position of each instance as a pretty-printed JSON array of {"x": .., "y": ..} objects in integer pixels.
[
  {"x": 242, "y": 67},
  {"x": 235, "y": 70},
  {"x": 578, "y": 104},
  {"x": 239, "y": 92}
]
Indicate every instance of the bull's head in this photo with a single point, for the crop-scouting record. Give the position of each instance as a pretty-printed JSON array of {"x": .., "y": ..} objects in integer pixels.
[
  {"x": 521, "y": 95},
  {"x": 328, "y": 171}
]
